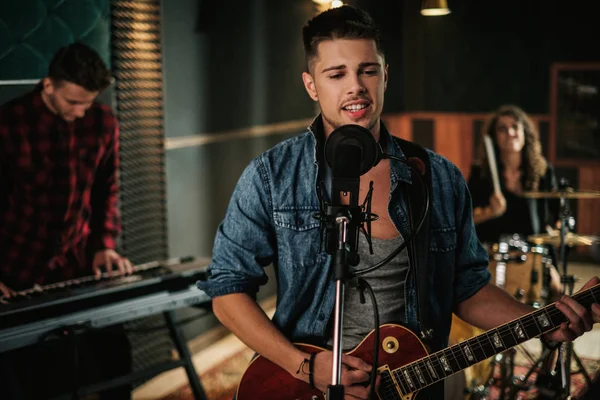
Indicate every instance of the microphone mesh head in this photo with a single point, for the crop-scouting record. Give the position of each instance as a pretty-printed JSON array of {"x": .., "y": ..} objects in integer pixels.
[{"x": 368, "y": 153}]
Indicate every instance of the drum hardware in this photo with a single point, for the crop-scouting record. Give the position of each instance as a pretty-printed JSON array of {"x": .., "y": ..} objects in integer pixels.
[
  {"x": 478, "y": 393},
  {"x": 566, "y": 350},
  {"x": 571, "y": 239},
  {"x": 508, "y": 258},
  {"x": 566, "y": 193},
  {"x": 548, "y": 386},
  {"x": 556, "y": 384},
  {"x": 513, "y": 251},
  {"x": 514, "y": 260}
]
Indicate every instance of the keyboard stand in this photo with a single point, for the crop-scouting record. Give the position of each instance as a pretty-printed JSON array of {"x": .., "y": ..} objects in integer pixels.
[{"x": 185, "y": 356}]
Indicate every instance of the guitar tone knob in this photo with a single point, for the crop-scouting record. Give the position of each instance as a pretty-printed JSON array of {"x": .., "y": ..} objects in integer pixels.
[{"x": 390, "y": 344}]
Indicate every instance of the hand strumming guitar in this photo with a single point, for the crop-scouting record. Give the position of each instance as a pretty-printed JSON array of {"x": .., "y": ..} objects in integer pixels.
[{"x": 355, "y": 375}]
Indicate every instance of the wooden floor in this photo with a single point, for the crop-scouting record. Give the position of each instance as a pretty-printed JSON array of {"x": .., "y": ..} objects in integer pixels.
[{"x": 213, "y": 347}]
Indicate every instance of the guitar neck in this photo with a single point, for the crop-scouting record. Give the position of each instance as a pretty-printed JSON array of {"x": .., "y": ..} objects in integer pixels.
[{"x": 437, "y": 366}]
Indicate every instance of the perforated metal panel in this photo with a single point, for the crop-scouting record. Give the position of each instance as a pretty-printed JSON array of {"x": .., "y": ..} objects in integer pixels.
[{"x": 137, "y": 67}]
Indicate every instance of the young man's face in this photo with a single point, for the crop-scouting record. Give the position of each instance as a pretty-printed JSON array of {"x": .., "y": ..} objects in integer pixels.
[
  {"x": 67, "y": 100},
  {"x": 348, "y": 78}
]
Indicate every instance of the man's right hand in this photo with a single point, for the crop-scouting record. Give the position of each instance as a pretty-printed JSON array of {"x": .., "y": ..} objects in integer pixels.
[
  {"x": 355, "y": 375},
  {"x": 6, "y": 291},
  {"x": 497, "y": 205}
]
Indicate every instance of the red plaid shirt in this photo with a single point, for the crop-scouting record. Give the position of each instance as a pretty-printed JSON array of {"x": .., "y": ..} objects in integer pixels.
[{"x": 58, "y": 190}]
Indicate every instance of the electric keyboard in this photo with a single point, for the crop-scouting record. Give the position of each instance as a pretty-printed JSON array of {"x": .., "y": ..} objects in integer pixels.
[{"x": 153, "y": 288}]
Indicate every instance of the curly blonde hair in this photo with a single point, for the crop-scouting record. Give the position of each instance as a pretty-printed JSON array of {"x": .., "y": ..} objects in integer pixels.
[{"x": 533, "y": 163}]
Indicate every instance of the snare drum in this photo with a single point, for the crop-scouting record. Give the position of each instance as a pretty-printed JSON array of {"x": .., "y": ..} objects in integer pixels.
[{"x": 523, "y": 270}]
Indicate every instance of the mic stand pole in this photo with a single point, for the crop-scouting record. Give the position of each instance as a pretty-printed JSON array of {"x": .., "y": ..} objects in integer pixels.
[
  {"x": 566, "y": 224},
  {"x": 566, "y": 350},
  {"x": 335, "y": 391}
]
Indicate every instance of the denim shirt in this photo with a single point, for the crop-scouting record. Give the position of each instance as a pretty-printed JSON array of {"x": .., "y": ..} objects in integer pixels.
[{"x": 270, "y": 220}]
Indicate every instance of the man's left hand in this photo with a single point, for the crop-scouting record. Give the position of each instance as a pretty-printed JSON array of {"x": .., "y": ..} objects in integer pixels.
[
  {"x": 109, "y": 258},
  {"x": 581, "y": 320}
]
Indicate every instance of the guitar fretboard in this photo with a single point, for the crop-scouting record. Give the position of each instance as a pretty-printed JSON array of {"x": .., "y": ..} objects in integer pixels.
[{"x": 437, "y": 366}]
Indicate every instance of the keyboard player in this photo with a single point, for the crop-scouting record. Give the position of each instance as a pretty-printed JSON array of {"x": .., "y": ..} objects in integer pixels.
[{"x": 58, "y": 214}]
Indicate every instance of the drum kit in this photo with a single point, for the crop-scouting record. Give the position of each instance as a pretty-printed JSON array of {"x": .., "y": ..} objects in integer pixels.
[{"x": 526, "y": 267}]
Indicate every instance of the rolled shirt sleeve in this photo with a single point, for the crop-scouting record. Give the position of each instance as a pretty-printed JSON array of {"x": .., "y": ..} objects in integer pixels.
[{"x": 244, "y": 243}]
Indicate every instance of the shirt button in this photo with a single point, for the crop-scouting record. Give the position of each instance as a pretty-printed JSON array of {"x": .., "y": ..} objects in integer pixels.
[{"x": 321, "y": 317}]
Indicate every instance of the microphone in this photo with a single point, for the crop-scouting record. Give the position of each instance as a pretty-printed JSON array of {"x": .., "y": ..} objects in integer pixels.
[{"x": 350, "y": 151}]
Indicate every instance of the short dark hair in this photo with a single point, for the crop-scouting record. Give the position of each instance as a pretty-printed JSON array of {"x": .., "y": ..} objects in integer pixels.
[
  {"x": 81, "y": 65},
  {"x": 345, "y": 22}
]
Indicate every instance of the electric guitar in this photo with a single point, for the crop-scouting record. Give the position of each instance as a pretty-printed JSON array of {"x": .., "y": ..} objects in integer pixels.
[{"x": 404, "y": 364}]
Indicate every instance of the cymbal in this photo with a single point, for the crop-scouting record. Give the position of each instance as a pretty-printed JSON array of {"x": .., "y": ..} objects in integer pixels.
[
  {"x": 571, "y": 239},
  {"x": 567, "y": 194}
]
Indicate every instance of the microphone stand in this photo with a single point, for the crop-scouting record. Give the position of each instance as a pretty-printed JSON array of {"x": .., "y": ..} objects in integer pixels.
[
  {"x": 566, "y": 350},
  {"x": 350, "y": 151},
  {"x": 335, "y": 391},
  {"x": 344, "y": 220}
]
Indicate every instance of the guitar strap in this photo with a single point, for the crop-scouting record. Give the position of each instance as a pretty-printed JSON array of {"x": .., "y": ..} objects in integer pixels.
[{"x": 418, "y": 249}]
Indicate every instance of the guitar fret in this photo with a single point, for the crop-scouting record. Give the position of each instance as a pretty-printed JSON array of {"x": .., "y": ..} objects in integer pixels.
[
  {"x": 556, "y": 318},
  {"x": 427, "y": 374},
  {"x": 479, "y": 349},
  {"x": 431, "y": 370},
  {"x": 531, "y": 327},
  {"x": 459, "y": 357},
  {"x": 411, "y": 377},
  {"x": 518, "y": 330},
  {"x": 448, "y": 363},
  {"x": 400, "y": 379},
  {"x": 439, "y": 366},
  {"x": 445, "y": 364},
  {"x": 497, "y": 340},
  {"x": 487, "y": 347},
  {"x": 509, "y": 340},
  {"x": 535, "y": 321},
  {"x": 409, "y": 380},
  {"x": 468, "y": 352},
  {"x": 420, "y": 377},
  {"x": 544, "y": 319},
  {"x": 594, "y": 296}
]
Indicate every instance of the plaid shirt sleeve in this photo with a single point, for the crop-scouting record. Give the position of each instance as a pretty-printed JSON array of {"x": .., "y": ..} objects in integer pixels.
[{"x": 105, "y": 223}]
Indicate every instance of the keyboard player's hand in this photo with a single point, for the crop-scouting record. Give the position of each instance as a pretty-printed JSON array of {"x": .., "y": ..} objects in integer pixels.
[
  {"x": 6, "y": 291},
  {"x": 107, "y": 259}
]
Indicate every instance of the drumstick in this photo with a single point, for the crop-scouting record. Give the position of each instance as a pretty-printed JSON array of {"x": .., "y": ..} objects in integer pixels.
[{"x": 491, "y": 156}]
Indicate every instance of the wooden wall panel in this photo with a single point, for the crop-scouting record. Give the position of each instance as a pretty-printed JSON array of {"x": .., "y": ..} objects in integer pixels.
[
  {"x": 588, "y": 215},
  {"x": 454, "y": 140},
  {"x": 399, "y": 125}
]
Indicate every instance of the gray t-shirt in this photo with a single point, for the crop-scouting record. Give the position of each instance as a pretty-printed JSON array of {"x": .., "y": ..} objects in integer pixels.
[{"x": 388, "y": 283}]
